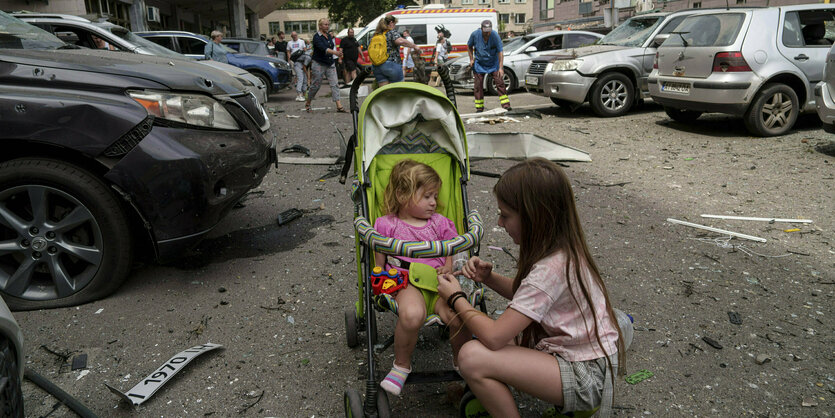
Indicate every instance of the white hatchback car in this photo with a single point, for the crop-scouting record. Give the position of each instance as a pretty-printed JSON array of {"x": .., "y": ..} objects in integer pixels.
[{"x": 761, "y": 64}]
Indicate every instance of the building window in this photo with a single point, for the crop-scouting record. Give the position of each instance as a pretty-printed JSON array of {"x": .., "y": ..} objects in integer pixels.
[
  {"x": 520, "y": 19},
  {"x": 483, "y": 1},
  {"x": 740, "y": 1},
  {"x": 275, "y": 27},
  {"x": 521, "y": 1},
  {"x": 546, "y": 9},
  {"x": 697, "y": 5},
  {"x": 466, "y": 1},
  {"x": 504, "y": 1},
  {"x": 300, "y": 26},
  {"x": 504, "y": 18}
]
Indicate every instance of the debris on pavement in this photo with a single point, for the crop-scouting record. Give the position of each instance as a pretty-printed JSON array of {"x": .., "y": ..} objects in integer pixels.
[
  {"x": 734, "y": 318},
  {"x": 711, "y": 342},
  {"x": 288, "y": 215},
  {"x": 520, "y": 146},
  {"x": 149, "y": 385},
  {"x": 717, "y": 230},
  {"x": 79, "y": 362},
  {"x": 252, "y": 394},
  {"x": 492, "y": 120},
  {"x": 638, "y": 376},
  {"x": 293, "y": 116},
  {"x": 750, "y": 218},
  {"x": 307, "y": 161},
  {"x": 762, "y": 359},
  {"x": 297, "y": 148}
]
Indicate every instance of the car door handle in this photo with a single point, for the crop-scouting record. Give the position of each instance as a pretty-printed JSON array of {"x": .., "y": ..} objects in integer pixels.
[{"x": 801, "y": 57}]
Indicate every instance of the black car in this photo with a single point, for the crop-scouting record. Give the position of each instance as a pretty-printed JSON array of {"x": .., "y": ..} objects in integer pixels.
[{"x": 105, "y": 154}]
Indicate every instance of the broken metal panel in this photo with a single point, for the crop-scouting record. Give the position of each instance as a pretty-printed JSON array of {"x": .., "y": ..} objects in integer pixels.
[
  {"x": 520, "y": 146},
  {"x": 149, "y": 385}
]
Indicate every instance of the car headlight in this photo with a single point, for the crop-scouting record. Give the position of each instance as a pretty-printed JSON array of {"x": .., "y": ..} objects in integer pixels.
[
  {"x": 281, "y": 65},
  {"x": 190, "y": 109},
  {"x": 567, "y": 65}
]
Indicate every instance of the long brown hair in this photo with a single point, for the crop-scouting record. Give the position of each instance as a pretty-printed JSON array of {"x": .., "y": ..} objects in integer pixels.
[
  {"x": 540, "y": 192},
  {"x": 383, "y": 24},
  {"x": 407, "y": 176}
]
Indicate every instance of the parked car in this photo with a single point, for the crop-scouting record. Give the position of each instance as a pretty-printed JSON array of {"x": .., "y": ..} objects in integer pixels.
[
  {"x": 275, "y": 72},
  {"x": 825, "y": 94},
  {"x": 247, "y": 46},
  {"x": 82, "y": 32},
  {"x": 11, "y": 364},
  {"x": 111, "y": 154},
  {"x": 518, "y": 55},
  {"x": 761, "y": 64},
  {"x": 611, "y": 74}
]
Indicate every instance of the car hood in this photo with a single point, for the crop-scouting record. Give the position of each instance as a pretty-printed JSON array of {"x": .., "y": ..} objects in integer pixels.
[
  {"x": 173, "y": 73},
  {"x": 261, "y": 57},
  {"x": 583, "y": 51}
]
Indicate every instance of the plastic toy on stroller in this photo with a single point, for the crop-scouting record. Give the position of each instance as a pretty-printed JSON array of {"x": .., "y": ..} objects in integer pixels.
[{"x": 397, "y": 121}]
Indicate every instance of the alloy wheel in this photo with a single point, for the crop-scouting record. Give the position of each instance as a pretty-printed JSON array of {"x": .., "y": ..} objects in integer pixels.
[
  {"x": 776, "y": 111},
  {"x": 613, "y": 95}
]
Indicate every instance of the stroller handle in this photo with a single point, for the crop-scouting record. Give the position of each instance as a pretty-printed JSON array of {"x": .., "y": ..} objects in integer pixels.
[
  {"x": 443, "y": 72},
  {"x": 420, "y": 249},
  {"x": 355, "y": 86}
]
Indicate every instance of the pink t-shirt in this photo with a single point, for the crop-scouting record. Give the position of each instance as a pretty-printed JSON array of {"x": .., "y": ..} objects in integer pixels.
[
  {"x": 544, "y": 296},
  {"x": 437, "y": 228}
]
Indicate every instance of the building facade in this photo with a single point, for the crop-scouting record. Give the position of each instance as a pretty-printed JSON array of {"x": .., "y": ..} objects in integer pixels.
[
  {"x": 515, "y": 16},
  {"x": 578, "y": 14},
  {"x": 238, "y": 18},
  {"x": 302, "y": 21}
]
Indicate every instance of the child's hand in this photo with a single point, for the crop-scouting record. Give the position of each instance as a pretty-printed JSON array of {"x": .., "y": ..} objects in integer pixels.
[
  {"x": 444, "y": 270},
  {"x": 447, "y": 285},
  {"x": 477, "y": 269}
]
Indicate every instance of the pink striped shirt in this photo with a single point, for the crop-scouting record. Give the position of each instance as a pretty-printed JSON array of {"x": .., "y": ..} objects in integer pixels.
[{"x": 544, "y": 297}]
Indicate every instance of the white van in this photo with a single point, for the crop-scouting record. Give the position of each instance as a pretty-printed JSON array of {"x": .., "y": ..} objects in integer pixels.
[{"x": 460, "y": 22}]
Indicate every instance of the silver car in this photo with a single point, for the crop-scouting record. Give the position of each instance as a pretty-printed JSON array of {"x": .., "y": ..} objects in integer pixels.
[
  {"x": 825, "y": 94},
  {"x": 610, "y": 75},
  {"x": 11, "y": 364},
  {"x": 761, "y": 64},
  {"x": 519, "y": 52},
  {"x": 80, "y": 31}
]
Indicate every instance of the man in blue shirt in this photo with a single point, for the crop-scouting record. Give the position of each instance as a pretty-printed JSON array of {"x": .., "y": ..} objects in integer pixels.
[{"x": 486, "y": 57}]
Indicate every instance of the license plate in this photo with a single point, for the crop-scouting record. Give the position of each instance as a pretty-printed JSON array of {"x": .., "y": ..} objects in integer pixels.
[
  {"x": 682, "y": 88},
  {"x": 531, "y": 80}
]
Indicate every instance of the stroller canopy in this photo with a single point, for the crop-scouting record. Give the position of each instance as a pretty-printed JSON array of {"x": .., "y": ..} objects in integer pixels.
[{"x": 400, "y": 109}]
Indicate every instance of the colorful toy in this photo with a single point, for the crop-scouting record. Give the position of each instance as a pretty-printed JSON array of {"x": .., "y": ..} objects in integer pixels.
[{"x": 388, "y": 281}]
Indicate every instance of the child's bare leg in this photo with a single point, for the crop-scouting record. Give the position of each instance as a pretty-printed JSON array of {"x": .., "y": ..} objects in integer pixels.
[
  {"x": 488, "y": 374},
  {"x": 411, "y": 313}
]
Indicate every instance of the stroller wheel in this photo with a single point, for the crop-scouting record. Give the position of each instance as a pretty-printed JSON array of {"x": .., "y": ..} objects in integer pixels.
[
  {"x": 353, "y": 404},
  {"x": 351, "y": 336},
  {"x": 383, "y": 409},
  {"x": 470, "y": 407}
]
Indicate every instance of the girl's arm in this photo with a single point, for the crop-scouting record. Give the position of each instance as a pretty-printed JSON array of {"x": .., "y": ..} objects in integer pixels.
[
  {"x": 404, "y": 42},
  {"x": 482, "y": 271},
  {"x": 502, "y": 285},
  {"x": 493, "y": 334},
  {"x": 447, "y": 267},
  {"x": 380, "y": 260}
]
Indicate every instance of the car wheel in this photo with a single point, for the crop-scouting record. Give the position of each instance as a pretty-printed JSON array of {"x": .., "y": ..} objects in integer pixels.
[
  {"x": 612, "y": 95},
  {"x": 266, "y": 80},
  {"x": 64, "y": 238},
  {"x": 565, "y": 104},
  {"x": 509, "y": 82},
  {"x": 11, "y": 396},
  {"x": 681, "y": 115},
  {"x": 773, "y": 111}
]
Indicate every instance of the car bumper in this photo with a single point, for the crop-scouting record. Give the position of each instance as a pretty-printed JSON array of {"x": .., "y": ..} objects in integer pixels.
[
  {"x": 564, "y": 85},
  {"x": 825, "y": 105},
  {"x": 724, "y": 93},
  {"x": 184, "y": 181},
  {"x": 281, "y": 79}
]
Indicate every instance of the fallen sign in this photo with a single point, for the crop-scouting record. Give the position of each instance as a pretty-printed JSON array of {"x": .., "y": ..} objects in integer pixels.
[
  {"x": 149, "y": 385},
  {"x": 307, "y": 161},
  {"x": 520, "y": 146}
]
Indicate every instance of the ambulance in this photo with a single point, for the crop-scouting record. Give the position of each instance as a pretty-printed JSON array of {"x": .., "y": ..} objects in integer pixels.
[{"x": 421, "y": 22}]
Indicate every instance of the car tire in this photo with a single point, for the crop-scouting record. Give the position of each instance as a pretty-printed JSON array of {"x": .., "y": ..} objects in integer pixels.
[
  {"x": 73, "y": 239},
  {"x": 509, "y": 82},
  {"x": 266, "y": 80},
  {"x": 612, "y": 95},
  {"x": 681, "y": 115},
  {"x": 773, "y": 111},
  {"x": 565, "y": 104},
  {"x": 11, "y": 395}
]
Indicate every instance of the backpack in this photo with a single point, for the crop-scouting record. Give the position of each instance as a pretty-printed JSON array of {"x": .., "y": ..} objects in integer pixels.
[{"x": 378, "y": 49}]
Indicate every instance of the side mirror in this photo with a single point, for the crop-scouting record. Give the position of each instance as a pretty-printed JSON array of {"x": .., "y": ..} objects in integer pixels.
[
  {"x": 659, "y": 39},
  {"x": 531, "y": 49}
]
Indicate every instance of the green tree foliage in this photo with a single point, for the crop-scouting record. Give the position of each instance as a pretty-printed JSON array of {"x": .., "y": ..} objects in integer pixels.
[{"x": 348, "y": 12}]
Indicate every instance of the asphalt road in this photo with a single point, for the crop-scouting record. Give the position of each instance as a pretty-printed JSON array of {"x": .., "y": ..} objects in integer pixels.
[{"x": 274, "y": 296}]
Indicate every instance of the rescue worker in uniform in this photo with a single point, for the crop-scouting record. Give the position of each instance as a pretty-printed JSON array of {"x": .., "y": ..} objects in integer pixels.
[{"x": 486, "y": 57}]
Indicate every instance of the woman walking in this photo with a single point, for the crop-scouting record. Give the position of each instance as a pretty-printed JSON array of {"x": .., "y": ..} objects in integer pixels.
[
  {"x": 323, "y": 65},
  {"x": 391, "y": 70}
]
